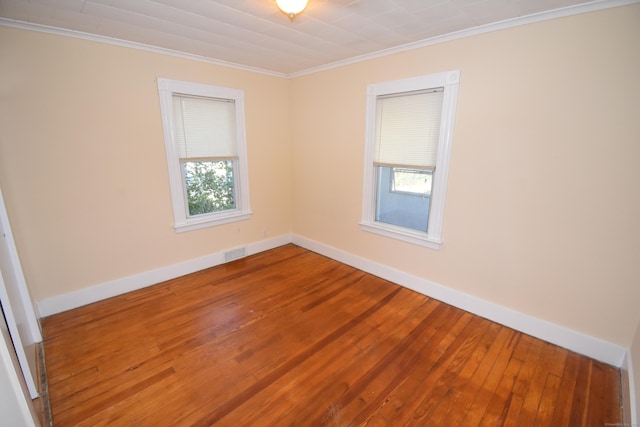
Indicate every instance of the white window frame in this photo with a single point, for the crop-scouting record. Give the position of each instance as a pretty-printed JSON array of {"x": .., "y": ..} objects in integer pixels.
[
  {"x": 183, "y": 222},
  {"x": 448, "y": 80}
]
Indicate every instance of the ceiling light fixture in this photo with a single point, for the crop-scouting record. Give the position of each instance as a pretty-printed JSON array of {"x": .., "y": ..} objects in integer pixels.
[{"x": 292, "y": 7}]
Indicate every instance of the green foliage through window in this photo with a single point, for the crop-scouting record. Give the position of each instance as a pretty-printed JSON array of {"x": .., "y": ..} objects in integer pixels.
[{"x": 209, "y": 186}]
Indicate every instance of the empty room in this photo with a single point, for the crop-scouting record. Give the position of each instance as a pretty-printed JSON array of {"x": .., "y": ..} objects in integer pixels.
[{"x": 353, "y": 212}]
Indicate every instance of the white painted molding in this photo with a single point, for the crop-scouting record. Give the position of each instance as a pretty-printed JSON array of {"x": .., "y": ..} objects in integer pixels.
[
  {"x": 167, "y": 89},
  {"x": 595, "y": 348},
  {"x": 509, "y": 23},
  {"x": 71, "y": 300},
  {"x": 16, "y": 405},
  {"x": 5, "y": 22},
  {"x": 495, "y": 26},
  {"x": 449, "y": 82},
  {"x": 14, "y": 268}
]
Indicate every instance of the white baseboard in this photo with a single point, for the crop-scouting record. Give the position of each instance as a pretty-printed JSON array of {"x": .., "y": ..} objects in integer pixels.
[
  {"x": 71, "y": 300},
  {"x": 595, "y": 348},
  {"x": 584, "y": 344}
]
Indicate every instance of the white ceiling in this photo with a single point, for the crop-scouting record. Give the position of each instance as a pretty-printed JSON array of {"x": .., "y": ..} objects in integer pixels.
[{"x": 254, "y": 33}]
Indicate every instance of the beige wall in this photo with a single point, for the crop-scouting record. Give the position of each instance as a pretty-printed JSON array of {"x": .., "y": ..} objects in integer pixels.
[
  {"x": 543, "y": 203},
  {"x": 82, "y": 162}
]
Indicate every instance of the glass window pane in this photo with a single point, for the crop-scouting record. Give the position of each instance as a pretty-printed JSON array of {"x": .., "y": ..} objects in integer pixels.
[
  {"x": 210, "y": 186},
  {"x": 409, "y": 209},
  {"x": 412, "y": 181}
]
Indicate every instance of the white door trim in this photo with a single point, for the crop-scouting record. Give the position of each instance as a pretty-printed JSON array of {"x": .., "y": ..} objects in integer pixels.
[{"x": 16, "y": 304}]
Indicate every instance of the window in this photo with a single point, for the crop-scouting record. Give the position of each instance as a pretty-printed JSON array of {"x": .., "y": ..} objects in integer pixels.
[
  {"x": 408, "y": 147},
  {"x": 206, "y": 153}
]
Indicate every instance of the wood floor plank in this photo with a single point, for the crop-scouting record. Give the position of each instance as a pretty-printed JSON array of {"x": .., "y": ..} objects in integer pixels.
[
  {"x": 516, "y": 410},
  {"x": 340, "y": 364},
  {"x": 496, "y": 410},
  {"x": 548, "y": 399},
  {"x": 365, "y": 395},
  {"x": 288, "y": 337},
  {"x": 228, "y": 406},
  {"x": 562, "y": 411},
  {"x": 536, "y": 386},
  {"x": 601, "y": 390},
  {"x": 324, "y": 370},
  {"x": 459, "y": 373},
  {"x": 477, "y": 393},
  {"x": 402, "y": 405},
  {"x": 581, "y": 394},
  {"x": 457, "y": 350}
]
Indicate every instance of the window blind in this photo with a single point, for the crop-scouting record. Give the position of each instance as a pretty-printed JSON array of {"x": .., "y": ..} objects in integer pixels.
[
  {"x": 205, "y": 127},
  {"x": 408, "y": 128}
]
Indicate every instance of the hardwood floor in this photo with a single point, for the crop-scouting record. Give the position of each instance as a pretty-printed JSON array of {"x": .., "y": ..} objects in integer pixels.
[{"x": 291, "y": 338}]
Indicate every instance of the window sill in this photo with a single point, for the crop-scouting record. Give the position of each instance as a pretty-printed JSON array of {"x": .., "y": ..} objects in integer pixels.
[
  {"x": 403, "y": 234},
  {"x": 211, "y": 220}
]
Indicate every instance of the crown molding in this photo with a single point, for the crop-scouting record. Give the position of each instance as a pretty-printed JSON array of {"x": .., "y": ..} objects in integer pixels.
[
  {"x": 483, "y": 29},
  {"x": 5, "y": 22}
]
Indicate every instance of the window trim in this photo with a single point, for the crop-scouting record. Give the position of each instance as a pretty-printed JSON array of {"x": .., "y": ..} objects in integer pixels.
[
  {"x": 449, "y": 80},
  {"x": 182, "y": 221}
]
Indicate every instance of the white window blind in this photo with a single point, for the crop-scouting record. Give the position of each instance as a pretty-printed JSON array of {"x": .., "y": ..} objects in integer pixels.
[
  {"x": 408, "y": 128},
  {"x": 204, "y": 127}
]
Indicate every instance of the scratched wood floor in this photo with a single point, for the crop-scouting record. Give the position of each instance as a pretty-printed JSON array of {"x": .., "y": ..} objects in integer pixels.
[{"x": 291, "y": 338}]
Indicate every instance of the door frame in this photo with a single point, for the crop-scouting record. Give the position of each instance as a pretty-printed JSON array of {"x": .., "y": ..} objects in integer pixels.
[{"x": 17, "y": 305}]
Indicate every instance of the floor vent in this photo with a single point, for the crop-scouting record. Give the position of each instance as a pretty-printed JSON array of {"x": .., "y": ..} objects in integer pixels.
[{"x": 235, "y": 254}]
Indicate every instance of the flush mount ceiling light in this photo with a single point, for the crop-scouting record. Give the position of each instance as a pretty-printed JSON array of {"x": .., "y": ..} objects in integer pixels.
[{"x": 292, "y": 7}]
